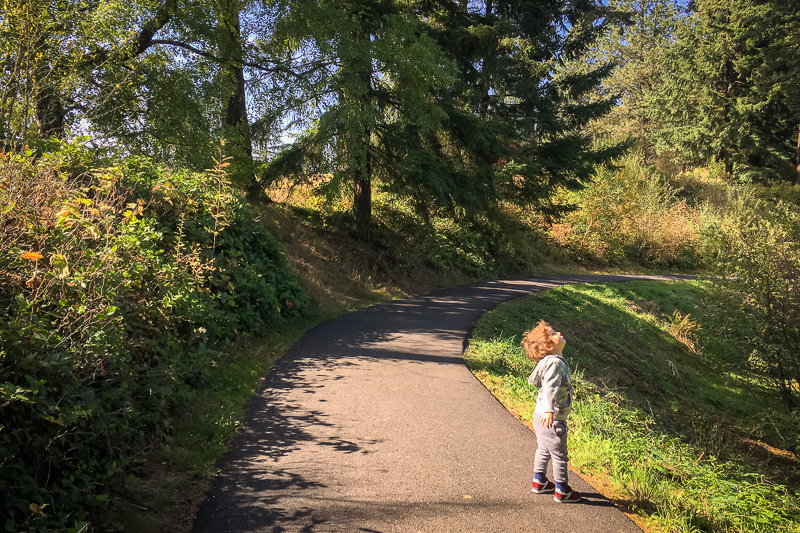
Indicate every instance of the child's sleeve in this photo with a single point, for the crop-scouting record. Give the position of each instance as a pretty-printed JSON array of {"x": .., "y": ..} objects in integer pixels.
[
  {"x": 548, "y": 392},
  {"x": 535, "y": 378}
]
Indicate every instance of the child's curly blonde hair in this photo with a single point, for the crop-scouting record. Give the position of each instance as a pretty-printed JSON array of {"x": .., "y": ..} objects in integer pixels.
[{"x": 538, "y": 341}]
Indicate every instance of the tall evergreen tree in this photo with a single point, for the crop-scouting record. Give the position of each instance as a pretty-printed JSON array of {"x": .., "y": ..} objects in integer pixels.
[
  {"x": 633, "y": 44},
  {"x": 373, "y": 70},
  {"x": 507, "y": 127},
  {"x": 732, "y": 92},
  {"x": 520, "y": 125}
]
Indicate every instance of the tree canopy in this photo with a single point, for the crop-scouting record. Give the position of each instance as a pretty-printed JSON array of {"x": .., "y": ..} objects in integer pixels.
[
  {"x": 731, "y": 93},
  {"x": 454, "y": 105}
]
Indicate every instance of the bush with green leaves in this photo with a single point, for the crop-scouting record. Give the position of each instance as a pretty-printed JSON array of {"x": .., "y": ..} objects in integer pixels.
[
  {"x": 630, "y": 213},
  {"x": 758, "y": 275},
  {"x": 116, "y": 284}
]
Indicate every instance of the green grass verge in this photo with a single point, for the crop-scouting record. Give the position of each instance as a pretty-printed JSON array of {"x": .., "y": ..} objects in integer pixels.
[
  {"x": 164, "y": 493},
  {"x": 665, "y": 409}
]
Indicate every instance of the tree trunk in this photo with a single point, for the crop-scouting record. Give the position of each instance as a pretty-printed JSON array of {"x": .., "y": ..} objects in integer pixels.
[
  {"x": 235, "y": 123},
  {"x": 49, "y": 111},
  {"x": 362, "y": 136},
  {"x": 362, "y": 194},
  {"x": 797, "y": 160}
]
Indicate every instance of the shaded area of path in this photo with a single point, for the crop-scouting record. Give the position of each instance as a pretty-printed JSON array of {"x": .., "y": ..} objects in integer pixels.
[{"x": 371, "y": 422}]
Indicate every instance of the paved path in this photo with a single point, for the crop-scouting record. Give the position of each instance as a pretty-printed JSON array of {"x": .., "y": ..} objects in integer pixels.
[{"x": 372, "y": 423}]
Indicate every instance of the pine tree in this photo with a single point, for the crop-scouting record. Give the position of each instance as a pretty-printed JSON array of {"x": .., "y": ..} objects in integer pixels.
[
  {"x": 372, "y": 73},
  {"x": 506, "y": 127},
  {"x": 732, "y": 93},
  {"x": 642, "y": 29},
  {"x": 519, "y": 124}
]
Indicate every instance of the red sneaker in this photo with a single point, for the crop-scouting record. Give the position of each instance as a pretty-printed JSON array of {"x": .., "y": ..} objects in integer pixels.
[
  {"x": 541, "y": 488},
  {"x": 570, "y": 497}
]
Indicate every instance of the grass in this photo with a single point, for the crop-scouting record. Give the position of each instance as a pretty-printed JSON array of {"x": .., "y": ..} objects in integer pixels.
[
  {"x": 202, "y": 428},
  {"x": 667, "y": 418}
]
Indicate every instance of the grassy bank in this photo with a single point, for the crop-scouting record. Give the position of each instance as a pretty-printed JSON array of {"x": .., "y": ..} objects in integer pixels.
[{"x": 668, "y": 418}]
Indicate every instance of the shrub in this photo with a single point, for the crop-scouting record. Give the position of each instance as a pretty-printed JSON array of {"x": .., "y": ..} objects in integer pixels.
[
  {"x": 115, "y": 285},
  {"x": 758, "y": 274},
  {"x": 630, "y": 213}
]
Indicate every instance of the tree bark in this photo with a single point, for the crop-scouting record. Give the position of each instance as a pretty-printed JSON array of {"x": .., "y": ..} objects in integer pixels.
[
  {"x": 235, "y": 123},
  {"x": 361, "y": 67},
  {"x": 49, "y": 112},
  {"x": 48, "y": 108},
  {"x": 362, "y": 177},
  {"x": 797, "y": 160},
  {"x": 362, "y": 194}
]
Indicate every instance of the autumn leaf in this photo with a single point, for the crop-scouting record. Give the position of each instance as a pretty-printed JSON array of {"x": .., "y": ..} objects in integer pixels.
[
  {"x": 32, "y": 256},
  {"x": 34, "y": 282}
]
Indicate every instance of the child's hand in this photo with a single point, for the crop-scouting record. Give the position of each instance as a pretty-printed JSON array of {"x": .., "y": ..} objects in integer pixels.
[{"x": 547, "y": 420}]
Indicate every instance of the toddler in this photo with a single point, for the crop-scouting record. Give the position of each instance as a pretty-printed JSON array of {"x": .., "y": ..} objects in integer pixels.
[{"x": 552, "y": 377}]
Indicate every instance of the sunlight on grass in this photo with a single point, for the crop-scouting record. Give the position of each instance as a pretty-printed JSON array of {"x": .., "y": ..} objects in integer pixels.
[{"x": 670, "y": 429}]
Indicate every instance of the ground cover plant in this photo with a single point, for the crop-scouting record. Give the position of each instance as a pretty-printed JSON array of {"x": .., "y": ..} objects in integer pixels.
[
  {"x": 119, "y": 284},
  {"x": 653, "y": 214},
  {"x": 452, "y": 248},
  {"x": 667, "y": 408}
]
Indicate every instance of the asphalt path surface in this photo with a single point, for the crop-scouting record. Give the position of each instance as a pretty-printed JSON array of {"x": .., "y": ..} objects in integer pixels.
[{"x": 371, "y": 422}]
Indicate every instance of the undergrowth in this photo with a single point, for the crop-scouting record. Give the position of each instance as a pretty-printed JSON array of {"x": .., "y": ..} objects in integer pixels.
[
  {"x": 451, "y": 247},
  {"x": 659, "y": 218},
  {"x": 665, "y": 406},
  {"x": 119, "y": 284}
]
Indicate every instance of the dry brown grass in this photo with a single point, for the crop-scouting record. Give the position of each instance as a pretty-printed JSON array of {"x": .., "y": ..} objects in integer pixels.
[
  {"x": 649, "y": 307},
  {"x": 341, "y": 273},
  {"x": 684, "y": 329}
]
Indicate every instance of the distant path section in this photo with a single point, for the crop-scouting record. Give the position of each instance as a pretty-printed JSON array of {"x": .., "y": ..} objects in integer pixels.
[{"x": 371, "y": 422}]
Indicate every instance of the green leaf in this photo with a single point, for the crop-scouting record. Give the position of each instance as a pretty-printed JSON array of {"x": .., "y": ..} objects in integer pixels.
[
  {"x": 80, "y": 527},
  {"x": 59, "y": 262}
]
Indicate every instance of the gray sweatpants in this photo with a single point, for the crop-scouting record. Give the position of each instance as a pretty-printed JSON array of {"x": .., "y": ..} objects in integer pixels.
[{"x": 552, "y": 445}]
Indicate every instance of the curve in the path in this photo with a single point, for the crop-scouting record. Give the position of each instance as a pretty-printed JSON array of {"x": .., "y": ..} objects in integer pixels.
[{"x": 371, "y": 422}]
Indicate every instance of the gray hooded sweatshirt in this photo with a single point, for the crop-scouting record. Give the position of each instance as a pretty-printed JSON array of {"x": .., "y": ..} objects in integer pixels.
[{"x": 552, "y": 377}]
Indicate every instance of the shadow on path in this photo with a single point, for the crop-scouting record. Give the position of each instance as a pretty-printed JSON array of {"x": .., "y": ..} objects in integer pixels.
[{"x": 372, "y": 422}]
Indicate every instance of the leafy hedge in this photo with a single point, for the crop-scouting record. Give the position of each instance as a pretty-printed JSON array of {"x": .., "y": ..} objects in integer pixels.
[{"x": 116, "y": 285}]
